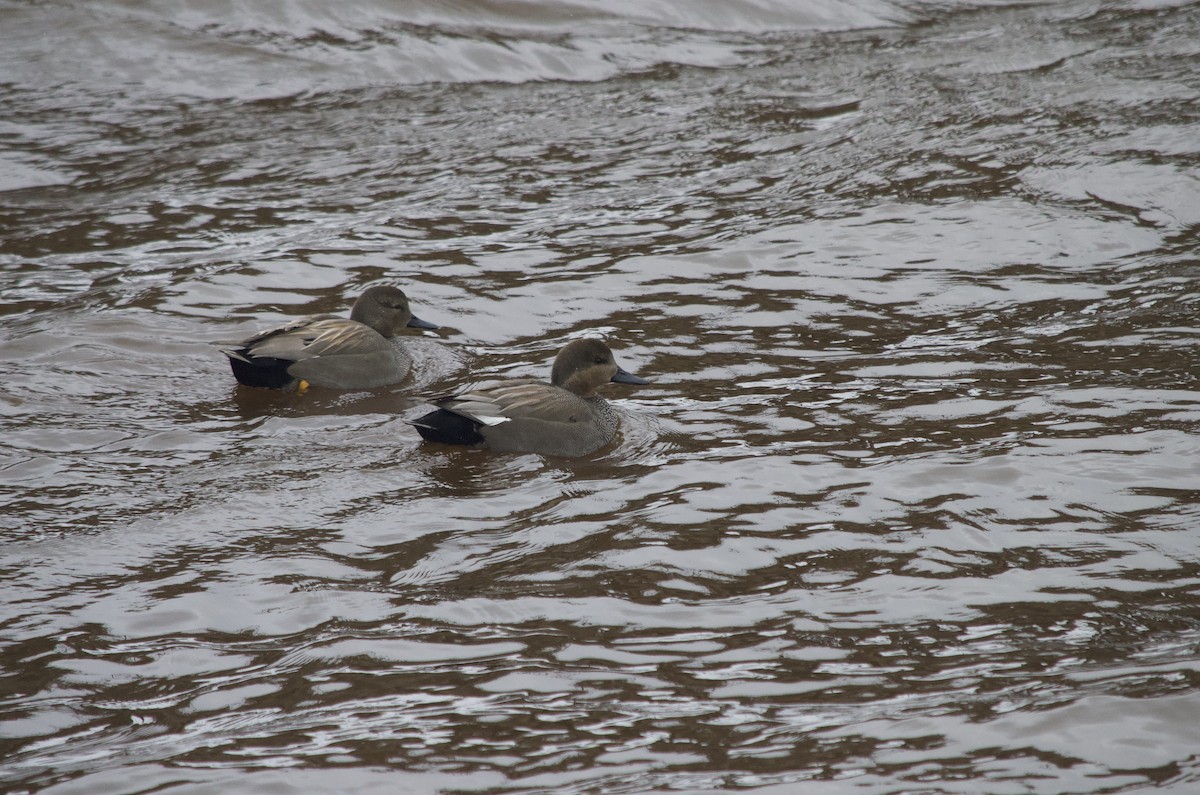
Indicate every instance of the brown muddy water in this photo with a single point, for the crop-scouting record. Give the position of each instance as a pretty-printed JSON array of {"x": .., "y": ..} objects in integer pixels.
[{"x": 912, "y": 504}]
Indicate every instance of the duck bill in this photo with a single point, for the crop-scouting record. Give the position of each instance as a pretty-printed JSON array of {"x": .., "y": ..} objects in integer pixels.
[
  {"x": 625, "y": 377},
  {"x": 417, "y": 322}
]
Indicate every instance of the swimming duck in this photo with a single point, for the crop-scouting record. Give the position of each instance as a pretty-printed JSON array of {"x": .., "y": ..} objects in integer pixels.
[
  {"x": 565, "y": 417},
  {"x": 331, "y": 351}
]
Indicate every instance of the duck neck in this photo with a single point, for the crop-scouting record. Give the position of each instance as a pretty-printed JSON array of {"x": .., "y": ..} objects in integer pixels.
[
  {"x": 369, "y": 316},
  {"x": 578, "y": 384}
]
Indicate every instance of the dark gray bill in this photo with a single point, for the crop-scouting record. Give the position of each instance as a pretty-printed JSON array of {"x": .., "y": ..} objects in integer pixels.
[
  {"x": 623, "y": 377},
  {"x": 417, "y": 322}
]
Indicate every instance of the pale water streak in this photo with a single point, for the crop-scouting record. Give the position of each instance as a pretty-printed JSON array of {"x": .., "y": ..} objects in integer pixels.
[{"x": 912, "y": 504}]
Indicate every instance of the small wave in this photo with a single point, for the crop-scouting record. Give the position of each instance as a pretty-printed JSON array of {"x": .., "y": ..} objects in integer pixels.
[{"x": 259, "y": 50}]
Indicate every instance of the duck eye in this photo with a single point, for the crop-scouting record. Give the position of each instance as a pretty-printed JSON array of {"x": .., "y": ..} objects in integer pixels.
[{"x": 599, "y": 360}]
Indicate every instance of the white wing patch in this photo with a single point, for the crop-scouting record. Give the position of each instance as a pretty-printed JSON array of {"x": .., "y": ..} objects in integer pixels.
[
  {"x": 493, "y": 420},
  {"x": 476, "y": 406}
]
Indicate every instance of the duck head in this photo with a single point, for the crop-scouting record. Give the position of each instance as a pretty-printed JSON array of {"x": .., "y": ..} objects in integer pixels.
[
  {"x": 585, "y": 365},
  {"x": 385, "y": 308}
]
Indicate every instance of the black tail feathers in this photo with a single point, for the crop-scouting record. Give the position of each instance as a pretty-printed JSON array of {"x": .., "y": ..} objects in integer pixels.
[
  {"x": 262, "y": 372},
  {"x": 448, "y": 428}
]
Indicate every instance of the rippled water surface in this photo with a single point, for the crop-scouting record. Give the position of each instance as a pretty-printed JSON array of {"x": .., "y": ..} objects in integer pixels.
[{"x": 912, "y": 504}]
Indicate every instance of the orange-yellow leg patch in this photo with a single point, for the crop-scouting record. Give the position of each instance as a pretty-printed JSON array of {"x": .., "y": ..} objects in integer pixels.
[{"x": 301, "y": 386}]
